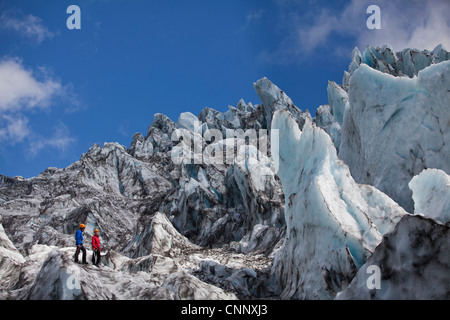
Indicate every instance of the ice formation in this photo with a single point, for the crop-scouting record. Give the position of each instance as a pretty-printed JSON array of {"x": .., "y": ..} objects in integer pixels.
[
  {"x": 332, "y": 223},
  {"x": 396, "y": 127},
  {"x": 392, "y": 117},
  {"x": 275, "y": 99},
  {"x": 431, "y": 194}
]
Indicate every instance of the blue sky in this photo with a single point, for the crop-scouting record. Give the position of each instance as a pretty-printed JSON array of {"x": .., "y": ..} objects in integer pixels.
[{"x": 63, "y": 90}]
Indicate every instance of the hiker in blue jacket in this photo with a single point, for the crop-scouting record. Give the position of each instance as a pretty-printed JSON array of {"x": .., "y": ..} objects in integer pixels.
[{"x": 79, "y": 244}]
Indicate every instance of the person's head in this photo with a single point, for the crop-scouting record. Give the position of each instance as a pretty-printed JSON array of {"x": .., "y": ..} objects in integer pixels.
[
  {"x": 96, "y": 232},
  {"x": 82, "y": 227}
]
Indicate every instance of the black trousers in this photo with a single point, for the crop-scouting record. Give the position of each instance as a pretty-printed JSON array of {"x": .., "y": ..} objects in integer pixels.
[
  {"x": 96, "y": 257},
  {"x": 80, "y": 248}
]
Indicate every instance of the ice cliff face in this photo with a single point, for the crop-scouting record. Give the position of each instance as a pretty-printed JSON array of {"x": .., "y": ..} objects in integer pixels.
[
  {"x": 390, "y": 119},
  {"x": 333, "y": 224},
  {"x": 190, "y": 211},
  {"x": 401, "y": 127},
  {"x": 387, "y": 128}
]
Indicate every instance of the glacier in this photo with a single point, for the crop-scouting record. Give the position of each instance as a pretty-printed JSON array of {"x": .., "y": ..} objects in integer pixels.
[{"x": 364, "y": 182}]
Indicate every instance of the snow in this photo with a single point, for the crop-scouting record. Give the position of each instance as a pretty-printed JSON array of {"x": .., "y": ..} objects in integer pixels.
[
  {"x": 332, "y": 223},
  {"x": 431, "y": 194}
]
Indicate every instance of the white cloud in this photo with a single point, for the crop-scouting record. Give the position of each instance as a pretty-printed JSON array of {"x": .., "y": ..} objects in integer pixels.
[
  {"x": 60, "y": 140},
  {"x": 22, "y": 93},
  {"x": 27, "y": 26},
  {"x": 412, "y": 24},
  {"x": 13, "y": 129},
  {"x": 20, "y": 89},
  {"x": 315, "y": 27}
]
